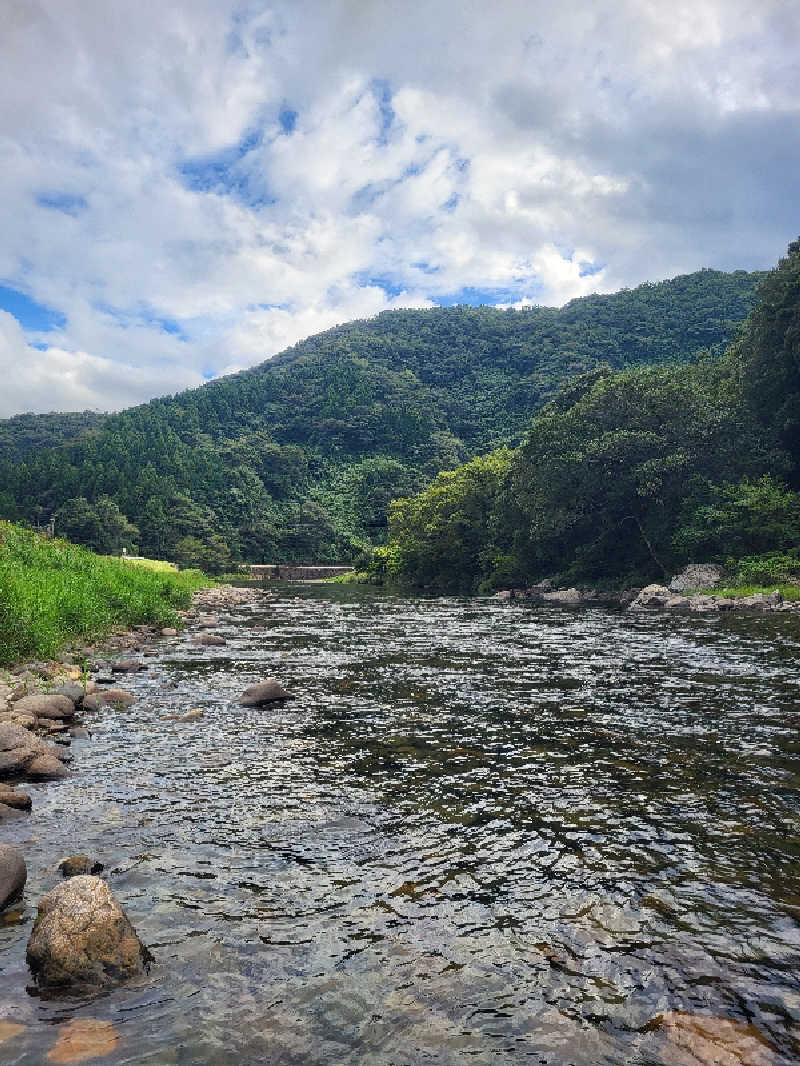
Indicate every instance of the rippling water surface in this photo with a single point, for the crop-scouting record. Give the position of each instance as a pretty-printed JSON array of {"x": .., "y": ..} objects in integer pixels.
[{"x": 481, "y": 833}]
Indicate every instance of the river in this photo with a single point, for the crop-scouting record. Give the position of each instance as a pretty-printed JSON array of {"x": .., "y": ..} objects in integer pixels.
[{"x": 481, "y": 833}]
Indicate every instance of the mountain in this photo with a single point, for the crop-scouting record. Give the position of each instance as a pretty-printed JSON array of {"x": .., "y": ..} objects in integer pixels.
[{"x": 299, "y": 457}]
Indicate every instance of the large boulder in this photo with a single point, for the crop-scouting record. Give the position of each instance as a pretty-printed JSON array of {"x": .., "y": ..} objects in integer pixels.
[
  {"x": 697, "y": 576},
  {"x": 46, "y": 705},
  {"x": 13, "y": 874},
  {"x": 267, "y": 691},
  {"x": 82, "y": 939}
]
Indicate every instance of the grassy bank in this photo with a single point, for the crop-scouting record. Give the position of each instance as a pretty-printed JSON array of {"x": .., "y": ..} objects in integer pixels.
[{"x": 53, "y": 593}]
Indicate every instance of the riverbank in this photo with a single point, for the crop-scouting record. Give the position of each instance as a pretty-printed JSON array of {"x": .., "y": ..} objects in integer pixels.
[{"x": 56, "y": 596}]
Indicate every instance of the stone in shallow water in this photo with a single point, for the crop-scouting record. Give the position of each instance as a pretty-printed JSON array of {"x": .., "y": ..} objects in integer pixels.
[
  {"x": 117, "y": 697},
  {"x": 266, "y": 691},
  {"x": 82, "y": 1039},
  {"x": 75, "y": 865},
  {"x": 8, "y": 1030},
  {"x": 700, "y": 1040},
  {"x": 82, "y": 939},
  {"x": 13, "y": 874},
  {"x": 45, "y": 705},
  {"x": 210, "y": 639}
]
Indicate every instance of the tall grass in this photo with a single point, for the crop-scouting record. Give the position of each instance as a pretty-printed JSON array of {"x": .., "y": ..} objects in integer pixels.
[{"x": 53, "y": 593}]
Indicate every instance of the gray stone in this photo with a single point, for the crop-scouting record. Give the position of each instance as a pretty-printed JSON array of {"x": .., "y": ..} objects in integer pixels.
[
  {"x": 651, "y": 596},
  {"x": 698, "y": 576},
  {"x": 267, "y": 691},
  {"x": 73, "y": 690},
  {"x": 13, "y": 874},
  {"x": 566, "y": 596},
  {"x": 82, "y": 939},
  {"x": 46, "y": 705},
  {"x": 91, "y": 702},
  {"x": 127, "y": 666}
]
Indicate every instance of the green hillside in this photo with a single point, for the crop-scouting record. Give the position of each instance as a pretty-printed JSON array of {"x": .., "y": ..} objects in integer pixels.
[
  {"x": 629, "y": 474},
  {"x": 299, "y": 457}
]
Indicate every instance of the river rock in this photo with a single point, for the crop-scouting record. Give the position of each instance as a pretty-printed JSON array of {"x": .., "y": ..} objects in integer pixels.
[
  {"x": 127, "y": 666},
  {"x": 82, "y": 1039},
  {"x": 703, "y": 1040},
  {"x": 46, "y": 768},
  {"x": 267, "y": 691},
  {"x": 697, "y": 576},
  {"x": 168, "y": 631},
  {"x": 209, "y": 639},
  {"x": 46, "y": 705},
  {"x": 652, "y": 596},
  {"x": 78, "y": 865},
  {"x": 83, "y": 940},
  {"x": 18, "y": 749},
  {"x": 117, "y": 697},
  {"x": 73, "y": 690},
  {"x": 19, "y": 800},
  {"x": 91, "y": 702},
  {"x": 13, "y": 874},
  {"x": 566, "y": 596}
]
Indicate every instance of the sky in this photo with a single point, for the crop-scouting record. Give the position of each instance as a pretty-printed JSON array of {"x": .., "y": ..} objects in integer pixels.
[{"x": 189, "y": 186}]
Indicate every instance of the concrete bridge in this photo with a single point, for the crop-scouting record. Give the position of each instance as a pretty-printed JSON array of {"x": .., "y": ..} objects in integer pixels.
[{"x": 295, "y": 572}]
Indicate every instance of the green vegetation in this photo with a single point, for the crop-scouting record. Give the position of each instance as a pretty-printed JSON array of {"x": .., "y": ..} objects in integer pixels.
[
  {"x": 625, "y": 476},
  {"x": 297, "y": 459},
  {"x": 53, "y": 593}
]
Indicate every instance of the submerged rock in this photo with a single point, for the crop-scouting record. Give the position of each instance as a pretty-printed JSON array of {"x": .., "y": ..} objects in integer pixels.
[
  {"x": 127, "y": 666},
  {"x": 267, "y": 691},
  {"x": 13, "y": 874},
  {"x": 82, "y": 939},
  {"x": 83, "y": 1039},
  {"x": 701, "y": 1040},
  {"x": 77, "y": 865}
]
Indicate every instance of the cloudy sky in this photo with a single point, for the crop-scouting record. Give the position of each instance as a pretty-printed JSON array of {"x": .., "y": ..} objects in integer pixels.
[{"x": 188, "y": 186}]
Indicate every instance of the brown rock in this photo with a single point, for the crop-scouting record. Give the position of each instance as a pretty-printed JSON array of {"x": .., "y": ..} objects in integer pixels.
[
  {"x": 82, "y": 939},
  {"x": 8, "y": 1030},
  {"x": 12, "y": 798},
  {"x": 77, "y": 865},
  {"x": 46, "y": 705},
  {"x": 168, "y": 631},
  {"x": 209, "y": 639},
  {"x": 46, "y": 768},
  {"x": 117, "y": 697},
  {"x": 267, "y": 691},
  {"x": 700, "y": 1040},
  {"x": 18, "y": 748},
  {"x": 13, "y": 874},
  {"x": 127, "y": 666},
  {"x": 91, "y": 702},
  {"x": 82, "y": 1039}
]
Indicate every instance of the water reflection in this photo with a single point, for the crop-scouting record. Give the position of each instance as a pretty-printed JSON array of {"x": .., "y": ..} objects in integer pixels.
[{"x": 482, "y": 833}]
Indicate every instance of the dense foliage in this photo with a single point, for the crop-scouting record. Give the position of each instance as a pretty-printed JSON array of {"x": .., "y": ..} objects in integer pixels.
[
  {"x": 627, "y": 475},
  {"x": 52, "y": 592},
  {"x": 298, "y": 458}
]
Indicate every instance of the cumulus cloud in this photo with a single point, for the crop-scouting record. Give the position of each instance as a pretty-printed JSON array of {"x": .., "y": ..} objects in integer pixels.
[{"x": 193, "y": 186}]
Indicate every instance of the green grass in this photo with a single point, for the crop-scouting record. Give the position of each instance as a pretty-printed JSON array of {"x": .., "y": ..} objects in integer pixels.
[
  {"x": 53, "y": 593},
  {"x": 789, "y": 592}
]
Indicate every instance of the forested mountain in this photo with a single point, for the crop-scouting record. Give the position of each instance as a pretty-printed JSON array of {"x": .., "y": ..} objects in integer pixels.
[
  {"x": 299, "y": 457},
  {"x": 627, "y": 475}
]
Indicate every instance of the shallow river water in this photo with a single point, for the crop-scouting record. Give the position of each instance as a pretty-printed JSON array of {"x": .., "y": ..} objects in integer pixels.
[{"x": 481, "y": 833}]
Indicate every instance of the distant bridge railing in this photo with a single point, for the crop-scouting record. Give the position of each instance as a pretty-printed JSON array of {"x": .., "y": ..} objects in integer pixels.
[{"x": 294, "y": 571}]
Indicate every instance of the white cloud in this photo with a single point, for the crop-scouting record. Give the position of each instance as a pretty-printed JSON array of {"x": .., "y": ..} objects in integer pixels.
[{"x": 152, "y": 195}]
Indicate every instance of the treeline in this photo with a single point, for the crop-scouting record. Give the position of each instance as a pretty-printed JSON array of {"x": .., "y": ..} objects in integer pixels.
[
  {"x": 627, "y": 475},
  {"x": 297, "y": 459}
]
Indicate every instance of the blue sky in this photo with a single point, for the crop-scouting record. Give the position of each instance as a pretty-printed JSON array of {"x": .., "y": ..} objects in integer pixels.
[{"x": 190, "y": 187}]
